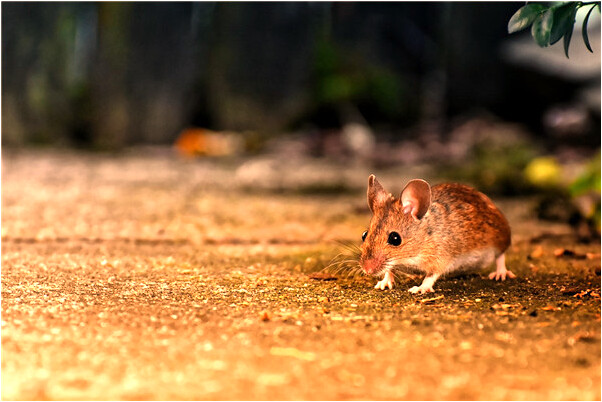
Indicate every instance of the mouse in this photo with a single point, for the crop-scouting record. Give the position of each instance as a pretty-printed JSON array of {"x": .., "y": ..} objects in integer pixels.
[{"x": 432, "y": 231}]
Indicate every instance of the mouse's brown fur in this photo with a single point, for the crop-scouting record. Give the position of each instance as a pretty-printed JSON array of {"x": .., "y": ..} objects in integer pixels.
[{"x": 442, "y": 229}]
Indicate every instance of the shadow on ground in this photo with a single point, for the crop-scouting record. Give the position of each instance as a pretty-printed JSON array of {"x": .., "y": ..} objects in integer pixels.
[{"x": 149, "y": 277}]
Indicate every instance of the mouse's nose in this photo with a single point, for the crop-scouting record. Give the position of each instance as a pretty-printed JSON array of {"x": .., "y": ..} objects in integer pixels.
[{"x": 372, "y": 265}]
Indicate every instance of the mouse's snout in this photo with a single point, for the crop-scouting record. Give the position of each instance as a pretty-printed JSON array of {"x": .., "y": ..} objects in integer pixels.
[{"x": 372, "y": 265}]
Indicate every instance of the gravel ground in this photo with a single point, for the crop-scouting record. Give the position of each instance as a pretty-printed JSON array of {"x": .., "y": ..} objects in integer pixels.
[{"x": 145, "y": 276}]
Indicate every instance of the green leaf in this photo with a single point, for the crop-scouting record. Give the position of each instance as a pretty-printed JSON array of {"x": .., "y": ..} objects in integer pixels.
[
  {"x": 588, "y": 180},
  {"x": 542, "y": 27},
  {"x": 569, "y": 29},
  {"x": 524, "y": 17},
  {"x": 563, "y": 21},
  {"x": 584, "y": 29},
  {"x": 567, "y": 41}
]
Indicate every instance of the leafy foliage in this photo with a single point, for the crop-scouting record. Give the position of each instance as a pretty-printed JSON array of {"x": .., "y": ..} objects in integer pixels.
[
  {"x": 581, "y": 193},
  {"x": 551, "y": 23}
]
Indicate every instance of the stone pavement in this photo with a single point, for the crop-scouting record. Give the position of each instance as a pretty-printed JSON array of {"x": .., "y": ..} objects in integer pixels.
[{"x": 145, "y": 276}]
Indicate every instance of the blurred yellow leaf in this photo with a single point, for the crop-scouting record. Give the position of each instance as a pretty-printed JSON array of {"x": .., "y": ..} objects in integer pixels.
[{"x": 544, "y": 171}]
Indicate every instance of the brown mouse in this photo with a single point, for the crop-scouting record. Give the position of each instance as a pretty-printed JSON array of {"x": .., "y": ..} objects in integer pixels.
[{"x": 432, "y": 231}]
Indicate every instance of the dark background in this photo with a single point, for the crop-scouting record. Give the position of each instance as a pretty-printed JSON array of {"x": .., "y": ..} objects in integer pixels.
[{"x": 108, "y": 75}]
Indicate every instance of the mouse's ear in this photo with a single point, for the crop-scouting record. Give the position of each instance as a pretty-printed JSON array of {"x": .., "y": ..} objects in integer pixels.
[
  {"x": 416, "y": 198},
  {"x": 376, "y": 193}
]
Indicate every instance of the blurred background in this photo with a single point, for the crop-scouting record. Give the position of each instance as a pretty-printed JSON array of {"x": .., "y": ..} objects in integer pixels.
[{"x": 382, "y": 84}]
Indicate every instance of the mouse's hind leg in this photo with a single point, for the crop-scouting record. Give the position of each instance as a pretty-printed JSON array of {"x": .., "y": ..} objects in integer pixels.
[{"x": 501, "y": 272}]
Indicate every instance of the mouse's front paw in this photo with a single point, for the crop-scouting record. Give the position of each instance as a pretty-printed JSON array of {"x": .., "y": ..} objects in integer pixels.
[
  {"x": 387, "y": 281},
  {"x": 421, "y": 289}
]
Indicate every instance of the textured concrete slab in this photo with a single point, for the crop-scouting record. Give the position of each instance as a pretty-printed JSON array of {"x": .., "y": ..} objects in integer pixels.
[{"x": 143, "y": 276}]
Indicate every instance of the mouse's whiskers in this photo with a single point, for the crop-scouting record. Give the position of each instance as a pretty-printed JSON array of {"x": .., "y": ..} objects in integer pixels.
[{"x": 345, "y": 263}]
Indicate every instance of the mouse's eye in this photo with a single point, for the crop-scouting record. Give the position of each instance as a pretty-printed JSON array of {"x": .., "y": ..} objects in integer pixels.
[
  {"x": 394, "y": 239},
  {"x": 364, "y": 235}
]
